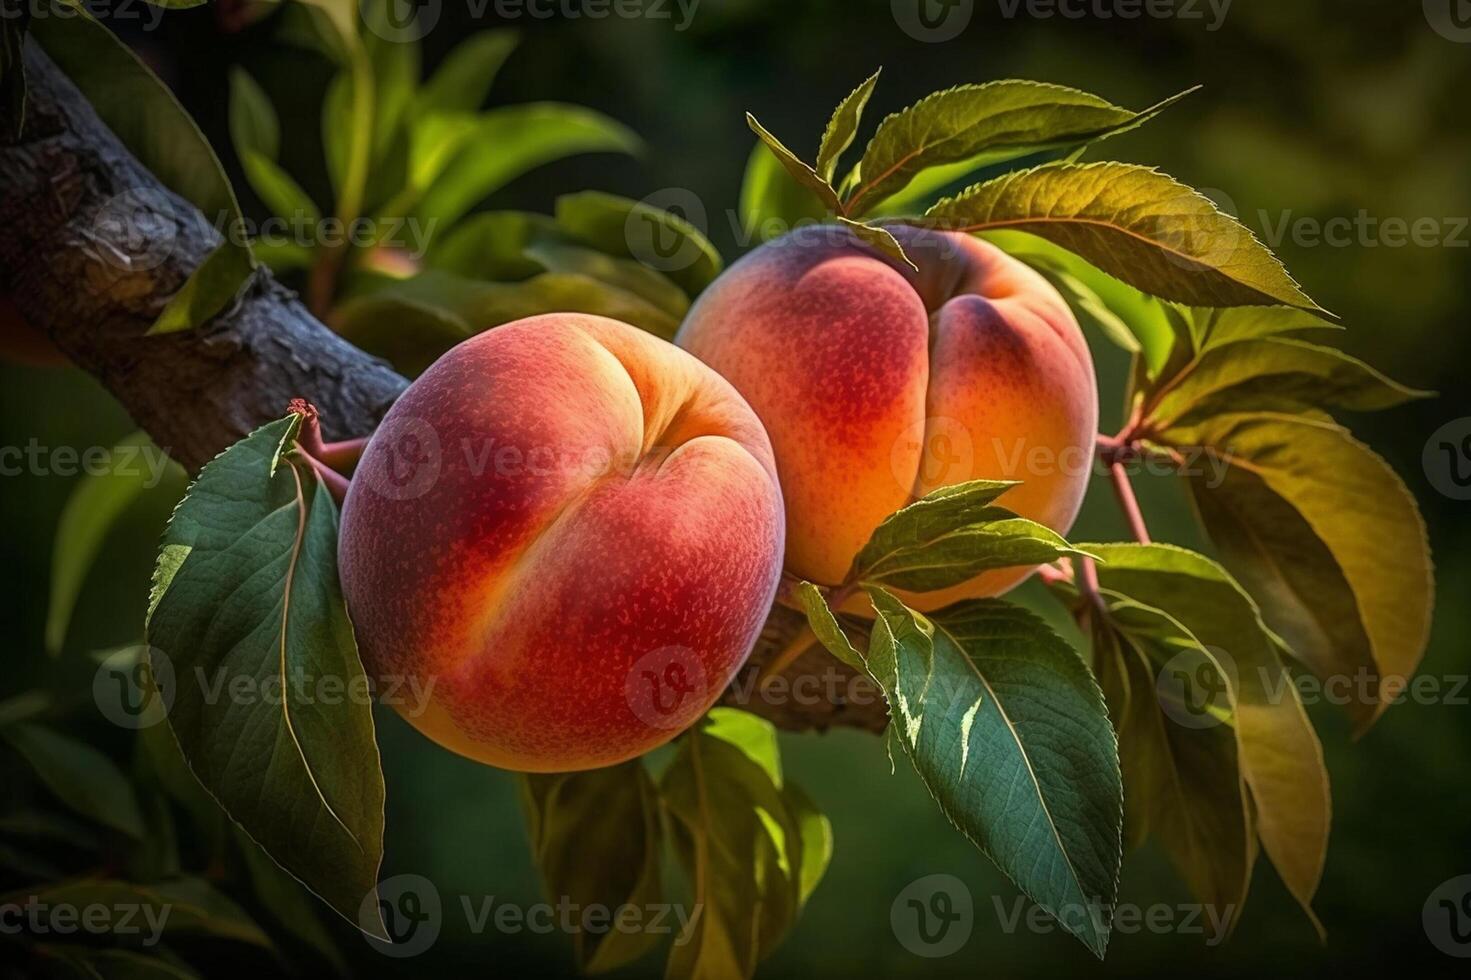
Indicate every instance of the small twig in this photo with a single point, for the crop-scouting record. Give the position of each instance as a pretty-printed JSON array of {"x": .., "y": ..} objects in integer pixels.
[
  {"x": 1124, "y": 490},
  {"x": 787, "y": 655}
]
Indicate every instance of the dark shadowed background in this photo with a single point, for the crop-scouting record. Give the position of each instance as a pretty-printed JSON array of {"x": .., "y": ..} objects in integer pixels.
[{"x": 1310, "y": 112}]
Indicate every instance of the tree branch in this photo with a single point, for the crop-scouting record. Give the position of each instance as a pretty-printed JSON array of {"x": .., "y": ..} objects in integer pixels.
[
  {"x": 195, "y": 392},
  {"x": 199, "y": 391}
]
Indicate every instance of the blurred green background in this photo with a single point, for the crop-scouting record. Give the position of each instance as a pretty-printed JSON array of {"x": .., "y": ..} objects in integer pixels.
[{"x": 1310, "y": 110}]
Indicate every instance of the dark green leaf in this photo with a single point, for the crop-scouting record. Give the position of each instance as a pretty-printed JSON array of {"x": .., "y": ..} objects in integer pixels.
[
  {"x": 246, "y": 598},
  {"x": 79, "y": 776},
  {"x": 1009, "y": 732},
  {"x": 596, "y": 837},
  {"x": 93, "y": 507},
  {"x": 825, "y": 626}
]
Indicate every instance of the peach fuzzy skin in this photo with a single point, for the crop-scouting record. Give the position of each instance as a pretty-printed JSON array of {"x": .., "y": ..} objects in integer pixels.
[
  {"x": 595, "y": 513},
  {"x": 878, "y": 384}
]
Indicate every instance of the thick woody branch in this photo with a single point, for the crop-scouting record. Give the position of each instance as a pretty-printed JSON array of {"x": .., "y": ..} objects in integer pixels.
[{"x": 64, "y": 186}]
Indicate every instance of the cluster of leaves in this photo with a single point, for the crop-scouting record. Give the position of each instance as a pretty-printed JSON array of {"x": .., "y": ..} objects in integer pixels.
[
  {"x": 143, "y": 841},
  {"x": 751, "y": 842},
  {"x": 411, "y": 159},
  {"x": 1333, "y": 565}
]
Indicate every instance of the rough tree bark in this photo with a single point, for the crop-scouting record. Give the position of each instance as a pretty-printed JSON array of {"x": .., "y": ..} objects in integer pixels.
[{"x": 63, "y": 185}]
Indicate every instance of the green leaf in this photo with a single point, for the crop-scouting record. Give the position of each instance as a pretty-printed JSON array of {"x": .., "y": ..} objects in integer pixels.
[
  {"x": 492, "y": 245},
  {"x": 881, "y": 239},
  {"x": 246, "y": 597},
  {"x": 1212, "y": 328},
  {"x": 1144, "y": 316},
  {"x": 1272, "y": 374},
  {"x": 1009, "y": 733},
  {"x": 117, "y": 964},
  {"x": 254, "y": 127},
  {"x": 1181, "y": 783},
  {"x": 1279, "y": 751},
  {"x": 278, "y": 190},
  {"x": 1327, "y": 538},
  {"x": 463, "y": 78},
  {"x": 815, "y": 834},
  {"x": 772, "y": 202},
  {"x": 626, "y": 274},
  {"x": 950, "y": 536},
  {"x": 93, "y": 508},
  {"x": 825, "y": 626},
  {"x": 972, "y": 126},
  {"x": 79, "y": 776},
  {"x": 597, "y": 838},
  {"x": 509, "y": 141},
  {"x": 139, "y": 108},
  {"x": 289, "y": 904},
  {"x": 802, "y": 173},
  {"x": 743, "y": 845},
  {"x": 180, "y": 906},
  {"x": 843, "y": 127},
  {"x": 411, "y": 322},
  {"x": 635, "y": 230},
  {"x": 1134, "y": 223}
]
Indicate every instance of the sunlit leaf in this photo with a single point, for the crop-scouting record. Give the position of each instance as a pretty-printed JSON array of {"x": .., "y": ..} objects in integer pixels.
[
  {"x": 976, "y": 125},
  {"x": 1328, "y": 539},
  {"x": 1279, "y": 751},
  {"x": 1134, "y": 223},
  {"x": 843, "y": 127}
]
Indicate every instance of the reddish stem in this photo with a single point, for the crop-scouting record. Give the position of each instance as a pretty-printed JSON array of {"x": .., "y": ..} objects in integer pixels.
[
  {"x": 1124, "y": 490},
  {"x": 323, "y": 455}
]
